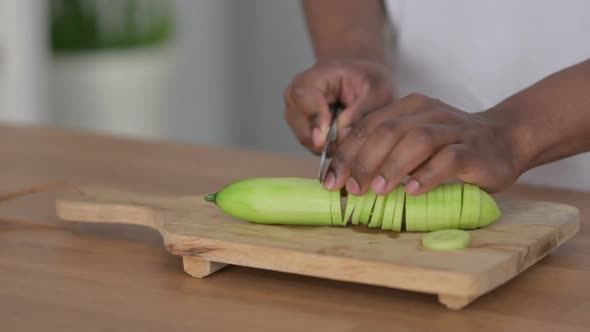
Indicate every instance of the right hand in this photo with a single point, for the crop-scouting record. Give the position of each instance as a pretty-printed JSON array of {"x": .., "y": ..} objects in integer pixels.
[{"x": 363, "y": 86}]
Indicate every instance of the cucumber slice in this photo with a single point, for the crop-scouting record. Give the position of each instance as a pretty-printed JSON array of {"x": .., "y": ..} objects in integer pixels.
[
  {"x": 435, "y": 218},
  {"x": 399, "y": 209},
  {"x": 336, "y": 207},
  {"x": 387, "y": 222},
  {"x": 416, "y": 206},
  {"x": 470, "y": 207},
  {"x": 357, "y": 209},
  {"x": 489, "y": 211},
  {"x": 351, "y": 201},
  {"x": 452, "y": 207},
  {"x": 446, "y": 239},
  {"x": 367, "y": 209},
  {"x": 377, "y": 216}
]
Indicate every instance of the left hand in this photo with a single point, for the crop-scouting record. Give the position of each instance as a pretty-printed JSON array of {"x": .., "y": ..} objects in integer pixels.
[{"x": 428, "y": 140}]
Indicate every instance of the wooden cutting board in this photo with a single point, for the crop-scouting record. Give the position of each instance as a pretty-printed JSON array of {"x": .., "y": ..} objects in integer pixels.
[{"x": 208, "y": 240}]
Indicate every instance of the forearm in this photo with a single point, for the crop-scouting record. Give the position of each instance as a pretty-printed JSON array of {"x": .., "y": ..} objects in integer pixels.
[
  {"x": 346, "y": 28},
  {"x": 550, "y": 120}
]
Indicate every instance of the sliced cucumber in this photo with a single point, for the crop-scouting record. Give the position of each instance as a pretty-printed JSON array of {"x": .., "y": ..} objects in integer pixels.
[
  {"x": 357, "y": 210},
  {"x": 452, "y": 193},
  {"x": 367, "y": 208},
  {"x": 446, "y": 239},
  {"x": 377, "y": 216},
  {"x": 389, "y": 210},
  {"x": 470, "y": 207},
  {"x": 435, "y": 218},
  {"x": 399, "y": 209},
  {"x": 298, "y": 201},
  {"x": 351, "y": 201},
  {"x": 336, "y": 207},
  {"x": 416, "y": 206},
  {"x": 489, "y": 211}
]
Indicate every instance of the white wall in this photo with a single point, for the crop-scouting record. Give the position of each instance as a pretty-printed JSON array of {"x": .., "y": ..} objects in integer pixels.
[
  {"x": 242, "y": 55},
  {"x": 23, "y": 62}
]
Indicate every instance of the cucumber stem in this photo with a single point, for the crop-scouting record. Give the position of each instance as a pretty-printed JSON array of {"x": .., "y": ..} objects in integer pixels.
[{"x": 211, "y": 197}]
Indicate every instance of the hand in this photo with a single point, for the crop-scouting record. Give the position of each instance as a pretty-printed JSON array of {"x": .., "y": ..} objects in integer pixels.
[
  {"x": 361, "y": 85},
  {"x": 429, "y": 140}
]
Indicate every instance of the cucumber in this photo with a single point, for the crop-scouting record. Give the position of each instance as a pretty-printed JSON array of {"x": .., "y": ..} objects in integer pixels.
[
  {"x": 388, "y": 214},
  {"x": 446, "y": 239},
  {"x": 416, "y": 206},
  {"x": 291, "y": 201},
  {"x": 470, "y": 207},
  {"x": 357, "y": 210},
  {"x": 435, "y": 217},
  {"x": 336, "y": 207},
  {"x": 351, "y": 201},
  {"x": 452, "y": 207},
  {"x": 377, "y": 216},
  {"x": 298, "y": 201},
  {"x": 489, "y": 211},
  {"x": 368, "y": 206},
  {"x": 399, "y": 209}
]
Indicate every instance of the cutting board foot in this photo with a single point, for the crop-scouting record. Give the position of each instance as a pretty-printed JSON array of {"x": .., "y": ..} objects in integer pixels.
[
  {"x": 455, "y": 302},
  {"x": 200, "y": 268}
]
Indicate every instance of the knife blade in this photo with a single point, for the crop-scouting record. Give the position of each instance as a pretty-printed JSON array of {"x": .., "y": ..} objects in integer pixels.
[{"x": 331, "y": 137}]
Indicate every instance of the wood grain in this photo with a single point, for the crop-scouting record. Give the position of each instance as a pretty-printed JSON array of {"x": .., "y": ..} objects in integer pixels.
[
  {"x": 191, "y": 227},
  {"x": 57, "y": 276}
]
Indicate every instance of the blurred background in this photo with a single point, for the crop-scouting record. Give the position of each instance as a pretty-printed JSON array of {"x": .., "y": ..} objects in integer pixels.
[{"x": 204, "y": 71}]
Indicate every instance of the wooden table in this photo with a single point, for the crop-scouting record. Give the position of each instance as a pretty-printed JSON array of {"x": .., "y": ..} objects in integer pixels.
[{"x": 57, "y": 276}]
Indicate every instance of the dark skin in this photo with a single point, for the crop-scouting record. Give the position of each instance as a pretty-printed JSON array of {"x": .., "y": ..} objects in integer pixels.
[{"x": 384, "y": 139}]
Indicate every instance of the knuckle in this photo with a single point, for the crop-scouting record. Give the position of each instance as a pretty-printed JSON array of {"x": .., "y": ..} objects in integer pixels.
[
  {"x": 339, "y": 160},
  {"x": 424, "y": 136},
  {"x": 387, "y": 128},
  {"x": 456, "y": 157},
  {"x": 390, "y": 168},
  {"x": 359, "y": 170},
  {"x": 359, "y": 131}
]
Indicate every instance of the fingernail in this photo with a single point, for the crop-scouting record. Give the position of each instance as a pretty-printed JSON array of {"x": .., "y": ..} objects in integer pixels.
[
  {"x": 379, "y": 185},
  {"x": 330, "y": 180},
  {"x": 317, "y": 136},
  {"x": 412, "y": 187},
  {"x": 352, "y": 187}
]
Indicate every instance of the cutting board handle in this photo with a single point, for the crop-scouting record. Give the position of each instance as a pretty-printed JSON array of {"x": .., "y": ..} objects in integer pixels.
[{"x": 105, "y": 205}]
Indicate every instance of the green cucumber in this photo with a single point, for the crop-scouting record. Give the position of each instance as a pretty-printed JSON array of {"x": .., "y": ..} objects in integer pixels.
[
  {"x": 357, "y": 210},
  {"x": 351, "y": 201},
  {"x": 470, "y": 207},
  {"x": 367, "y": 208},
  {"x": 377, "y": 216},
  {"x": 446, "y": 239},
  {"x": 435, "y": 217},
  {"x": 298, "y": 201},
  {"x": 452, "y": 206},
  {"x": 292, "y": 201},
  {"x": 415, "y": 212},
  {"x": 388, "y": 214},
  {"x": 336, "y": 207},
  {"x": 416, "y": 206},
  {"x": 399, "y": 209},
  {"x": 489, "y": 211}
]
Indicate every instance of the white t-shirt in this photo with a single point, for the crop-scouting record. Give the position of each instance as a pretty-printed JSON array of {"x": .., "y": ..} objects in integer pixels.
[{"x": 473, "y": 54}]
